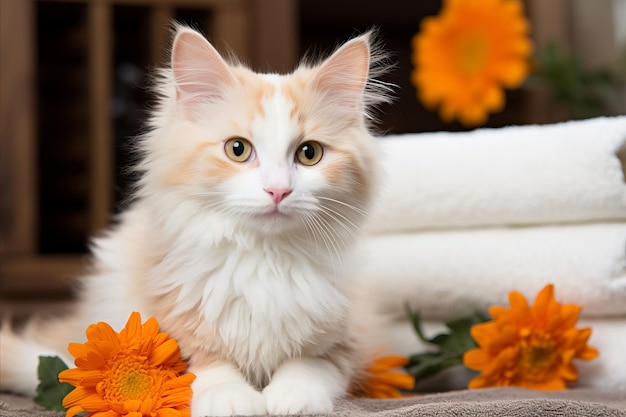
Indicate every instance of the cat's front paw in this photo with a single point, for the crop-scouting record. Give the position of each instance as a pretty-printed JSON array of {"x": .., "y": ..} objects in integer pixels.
[
  {"x": 297, "y": 397},
  {"x": 228, "y": 399}
]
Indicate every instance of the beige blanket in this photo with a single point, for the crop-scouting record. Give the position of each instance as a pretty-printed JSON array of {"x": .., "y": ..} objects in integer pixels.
[{"x": 499, "y": 402}]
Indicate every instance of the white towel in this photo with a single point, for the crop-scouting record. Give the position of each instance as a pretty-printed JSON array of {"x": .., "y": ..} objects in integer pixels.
[
  {"x": 567, "y": 172},
  {"x": 447, "y": 274},
  {"x": 606, "y": 371}
]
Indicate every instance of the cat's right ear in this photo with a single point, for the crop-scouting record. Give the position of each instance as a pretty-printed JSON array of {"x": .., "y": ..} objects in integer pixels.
[{"x": 200, "y": 73}]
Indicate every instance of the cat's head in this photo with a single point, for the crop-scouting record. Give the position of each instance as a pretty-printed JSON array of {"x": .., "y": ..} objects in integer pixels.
[{"x": 274, "y": 152}]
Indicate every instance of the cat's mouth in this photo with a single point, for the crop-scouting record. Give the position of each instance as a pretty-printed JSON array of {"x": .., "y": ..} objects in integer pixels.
[
  {"x": 275, "y": 220},
  {"x": 280, "y": 215},
  {"x": 276, "y": 212}
]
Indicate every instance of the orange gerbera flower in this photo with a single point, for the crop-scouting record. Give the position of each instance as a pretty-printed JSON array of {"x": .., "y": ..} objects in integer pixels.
[
  {"x": 465, "y": 55},
  {"x": 529, "y": 347},
  {"x": 135, "y": 373},
  {"x": 380, "y": 380}
]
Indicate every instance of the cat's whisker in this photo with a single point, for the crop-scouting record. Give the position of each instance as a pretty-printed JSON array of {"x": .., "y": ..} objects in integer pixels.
[
  {"x": 309, "y": 227},
  {"x": 341, "y": 220},
  {"x": 317, "y": 230},
  {"x": 333, "y": 240},
  {"x": 322, "y": 231},
  {"x": 343, "y": 203}
]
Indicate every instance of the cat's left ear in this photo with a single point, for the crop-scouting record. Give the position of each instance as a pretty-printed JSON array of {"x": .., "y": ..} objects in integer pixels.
[
  {"x": 343, "y": 76},
  {"x": 200, "y": 73}
]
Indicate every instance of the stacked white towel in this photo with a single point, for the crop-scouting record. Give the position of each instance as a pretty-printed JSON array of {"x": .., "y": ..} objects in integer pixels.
[
  {"x": 520, "y": 175},
  {"x": 465, "y": 218}
]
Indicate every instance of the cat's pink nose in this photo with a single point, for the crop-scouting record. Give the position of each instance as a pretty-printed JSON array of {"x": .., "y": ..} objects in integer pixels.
[{"x": 278, "y": 194}]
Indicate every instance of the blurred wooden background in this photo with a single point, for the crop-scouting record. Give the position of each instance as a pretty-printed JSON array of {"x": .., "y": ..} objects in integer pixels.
[{"x": 73, "y": 93}]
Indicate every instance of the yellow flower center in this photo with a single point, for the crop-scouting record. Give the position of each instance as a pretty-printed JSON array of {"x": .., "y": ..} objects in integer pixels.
[
  {"x": 537, "y": 355},
  {"x": 471, "y": 53},
  {"x": 130, "y": 379}
]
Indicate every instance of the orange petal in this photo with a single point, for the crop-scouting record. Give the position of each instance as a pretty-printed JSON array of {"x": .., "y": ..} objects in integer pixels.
[
  {"x": 176, "y": 397},
  {"x": 520, "y": 310},
  {"x": 166, "y": 352},
  {"x": 568, "y": 372},
  {"x": 543, "y": 300},
  {"x": 78, "y": 350},
  {"x": 76, "y": 396},
  {"x": 494, "y": 99},
  {"x": 87, "y": 399},
  {"x": 168, "y": 412},
  {"x": 181, "y": 381},
  {"x": 569, "y": 315},
  {"x": 132, "y": 405},
  {"x": 478, "y": 382},
  {"x": 552, "y": 384},
  {"x": 77, "y": 376},
  {"x": 485, "y": 333},
  {"x": 72, "y": 411},
  {"x": 395, "y": 379},
  {"x": 497, "y": 312},
  {"x": 477, "y": 359},
  {"x": 389, "y": 362},
  {"x": 380, "y": 390},
  {"x": 132, "y": 329},
  {"x": 102, "y": 332},
  {"x": 150, "y": 329},
  {"x": 588, "y": 353}
]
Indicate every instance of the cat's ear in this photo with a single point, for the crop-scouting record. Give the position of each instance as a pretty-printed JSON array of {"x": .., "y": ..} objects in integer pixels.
[
  {"x": 200, "y": 73},
  {"x": 343, "y": 76}
]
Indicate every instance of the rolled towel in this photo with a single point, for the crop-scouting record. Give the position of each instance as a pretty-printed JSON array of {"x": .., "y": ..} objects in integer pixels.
[
  {"x": 445, "y": 274},
  {"x": 608, "y": 335},
  {"x": 567, "y": 172}
]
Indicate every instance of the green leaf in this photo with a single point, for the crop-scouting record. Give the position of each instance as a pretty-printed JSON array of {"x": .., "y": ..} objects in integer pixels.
[
  {"x": 50, "y": 391},
  {"x": 448, "y": 347},
  {"x": 587, "y": 93},
  {"x": 459, "y": 339},
  {"x": 424, "y": 365},
  {"x": 415, "y": 318}
]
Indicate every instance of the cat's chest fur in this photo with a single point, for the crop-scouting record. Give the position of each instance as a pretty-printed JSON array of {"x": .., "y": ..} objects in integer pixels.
[{"x": 254, "y": 300}]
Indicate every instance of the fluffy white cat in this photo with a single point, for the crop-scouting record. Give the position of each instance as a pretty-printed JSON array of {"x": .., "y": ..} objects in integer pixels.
[{"x": 253, "y": 190}]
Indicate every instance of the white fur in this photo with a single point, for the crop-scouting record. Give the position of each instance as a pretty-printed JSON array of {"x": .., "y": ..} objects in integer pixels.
[
  {"x": 254, "y": 292},
  {"x": 21, "y": 375},
  {"x": 304, "y": 386},
  {"x": 221, "y": 390}
]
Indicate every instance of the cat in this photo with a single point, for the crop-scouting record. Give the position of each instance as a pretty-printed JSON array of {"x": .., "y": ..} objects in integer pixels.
[{"x": 252, "y": 195}]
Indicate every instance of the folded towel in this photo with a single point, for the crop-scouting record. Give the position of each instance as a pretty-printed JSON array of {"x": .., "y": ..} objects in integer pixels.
[
  {"x": 608, "y": 370},
  {"x": 447, "y": 274},
  {"x": 566, "y": 172}
]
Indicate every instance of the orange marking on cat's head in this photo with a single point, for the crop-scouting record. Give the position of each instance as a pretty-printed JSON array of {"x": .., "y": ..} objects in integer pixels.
[
  {"x": 255, "y": 90},
  {"x": 295, "y": 90},
  {"x": 218, "y": 168},
  {"x": 263, "y": 91},
  {"x": 348, "y": 173},
  {"x": 183, "y": 170},
  {"x": 206, "y": 160}
]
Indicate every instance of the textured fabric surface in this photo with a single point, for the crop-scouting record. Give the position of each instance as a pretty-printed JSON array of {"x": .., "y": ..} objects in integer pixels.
[{"x": 487, "y": 402}]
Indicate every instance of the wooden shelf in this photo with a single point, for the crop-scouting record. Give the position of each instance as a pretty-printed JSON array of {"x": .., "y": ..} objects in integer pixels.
[
  {"x": 73, "y": 93},
  {"x": 39, "y": 275}
]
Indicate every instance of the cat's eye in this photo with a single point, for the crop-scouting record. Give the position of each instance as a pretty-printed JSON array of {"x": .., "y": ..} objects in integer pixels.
[
  {"x": 238, "y": 149},
  {"x": 309, "y": 153}
]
